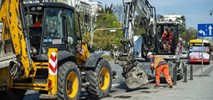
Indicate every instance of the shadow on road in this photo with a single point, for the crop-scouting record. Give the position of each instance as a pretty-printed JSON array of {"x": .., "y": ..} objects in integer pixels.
[{"x": 33, "y": 96}]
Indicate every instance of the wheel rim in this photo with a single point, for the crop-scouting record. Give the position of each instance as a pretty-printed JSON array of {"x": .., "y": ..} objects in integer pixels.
[
  {"x": 104, "y": 78},
  {"x": 72, "y": 84}
]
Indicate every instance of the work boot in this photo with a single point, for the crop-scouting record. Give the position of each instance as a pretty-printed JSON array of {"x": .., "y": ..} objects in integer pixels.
[{"x": 170, "y": 86}]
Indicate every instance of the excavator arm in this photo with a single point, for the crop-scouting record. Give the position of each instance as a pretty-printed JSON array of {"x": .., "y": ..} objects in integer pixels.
[
  {"x": 146, "y": 12},
  {"x": 132, "y": 72},
  {"x": 12, "y": 18}
]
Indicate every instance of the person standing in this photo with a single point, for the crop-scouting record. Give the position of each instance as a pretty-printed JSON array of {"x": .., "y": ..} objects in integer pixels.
[
  {"x": 159, "y": 65},
  {"x": 167, "y": 37},
  {"x": 38, "y": 23}
]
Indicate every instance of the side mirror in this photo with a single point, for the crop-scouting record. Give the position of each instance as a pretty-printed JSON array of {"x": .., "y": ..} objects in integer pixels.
[{"x": 70, "y": 40}]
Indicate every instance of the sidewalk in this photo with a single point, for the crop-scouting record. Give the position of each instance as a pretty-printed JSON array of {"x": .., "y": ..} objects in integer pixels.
[{"x": 201, "y": 88}]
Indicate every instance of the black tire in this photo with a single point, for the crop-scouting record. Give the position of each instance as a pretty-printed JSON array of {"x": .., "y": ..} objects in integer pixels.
[
  {"x": 13, "y": 94},
  {"x": 95, "y": 90},
  {"x": 68, "y": 68}
]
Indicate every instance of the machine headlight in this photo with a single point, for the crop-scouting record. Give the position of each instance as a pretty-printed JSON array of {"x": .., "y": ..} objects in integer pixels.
[
  {"x": 39, "y": 8},
  {"x": 33, "y": 8}
]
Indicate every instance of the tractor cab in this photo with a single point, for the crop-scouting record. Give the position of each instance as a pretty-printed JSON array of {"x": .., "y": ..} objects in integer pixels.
[{"x": 50, "y": 25}]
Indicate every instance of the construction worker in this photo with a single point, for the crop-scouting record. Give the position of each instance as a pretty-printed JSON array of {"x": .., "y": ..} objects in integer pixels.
[
  {"x": 167, "y": 39},
  {"x": 159, "y": 65},
  {"x": 39, "y": 21}
]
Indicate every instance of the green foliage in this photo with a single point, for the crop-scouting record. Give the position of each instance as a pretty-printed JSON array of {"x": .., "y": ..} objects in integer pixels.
[
  {"x": 119, "y": 12},
  {"x": 138, "y": 27},
  {"x": 190, "y": 33},
  {"x": 82, "y": 25},
  {"x": 105, "y": 39},
  {"x": 107, "y": 21},
  {"x": 106, "y": 9}
]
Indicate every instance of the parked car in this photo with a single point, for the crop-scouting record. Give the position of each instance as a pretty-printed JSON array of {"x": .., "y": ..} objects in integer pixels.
[{"x": 184, "y": 54}]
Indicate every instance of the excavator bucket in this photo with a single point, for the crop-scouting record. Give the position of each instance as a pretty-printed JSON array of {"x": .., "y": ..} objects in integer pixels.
[{"x": 136, "y": 78}]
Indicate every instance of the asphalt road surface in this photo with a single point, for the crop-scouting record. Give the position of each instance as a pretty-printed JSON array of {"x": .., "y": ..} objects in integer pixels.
[{"x": 200, "y": 88}]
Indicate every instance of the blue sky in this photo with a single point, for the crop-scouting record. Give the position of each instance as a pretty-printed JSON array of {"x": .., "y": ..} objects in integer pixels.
[{"x": 195, "y": 11}]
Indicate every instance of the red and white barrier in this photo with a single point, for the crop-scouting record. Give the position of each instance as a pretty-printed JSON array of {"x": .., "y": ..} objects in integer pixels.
[{"x": 53, "y": 64}]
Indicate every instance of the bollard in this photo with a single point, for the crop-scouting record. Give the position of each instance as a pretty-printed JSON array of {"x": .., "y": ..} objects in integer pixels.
[
  {"x": 185, "y": 74},
  {"x": 191, "y": 72},
  {"x": 175, "y": 73}
]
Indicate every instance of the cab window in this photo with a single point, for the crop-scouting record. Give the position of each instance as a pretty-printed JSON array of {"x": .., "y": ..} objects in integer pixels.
[{"x": 53, "y": 26}]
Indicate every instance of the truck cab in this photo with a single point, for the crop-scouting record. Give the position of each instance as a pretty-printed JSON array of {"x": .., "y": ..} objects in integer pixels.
[
  {"x": 167, "y": 38},
  {"x": 168, "y": 42}
]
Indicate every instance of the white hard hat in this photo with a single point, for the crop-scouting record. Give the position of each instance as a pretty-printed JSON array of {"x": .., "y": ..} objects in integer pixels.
[{"x": 149, "y": 53}]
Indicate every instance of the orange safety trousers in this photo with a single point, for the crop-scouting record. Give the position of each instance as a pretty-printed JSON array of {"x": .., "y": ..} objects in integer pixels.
[{"x": 165, "y": 69}]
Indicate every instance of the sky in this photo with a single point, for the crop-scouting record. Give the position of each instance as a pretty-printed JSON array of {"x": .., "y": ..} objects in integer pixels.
[{"x": 195, "y": 11}]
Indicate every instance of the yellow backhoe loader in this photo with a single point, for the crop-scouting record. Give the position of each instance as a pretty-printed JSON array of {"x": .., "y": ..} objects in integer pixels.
[{"x": 47, "y": 57}]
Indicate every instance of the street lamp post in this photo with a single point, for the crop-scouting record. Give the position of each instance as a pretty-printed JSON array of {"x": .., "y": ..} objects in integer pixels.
[{"x": 101, "y": 29}]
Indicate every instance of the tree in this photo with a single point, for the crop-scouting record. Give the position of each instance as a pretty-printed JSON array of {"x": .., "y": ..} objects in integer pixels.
[
  {"x": 104, "y": 39},
  {"x": 190, "y": 33},
  {"x": 106, "y": 9},
  {"x": 82, "y": 23},
  {"x": 139, "y": 29}
]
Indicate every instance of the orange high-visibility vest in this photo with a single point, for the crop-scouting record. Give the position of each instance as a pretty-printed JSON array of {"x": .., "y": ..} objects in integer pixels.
[
  {"x": 157, "y": 60},
  {"x": 167, "y": 36},
  {"x": 37, "y": 24}
]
